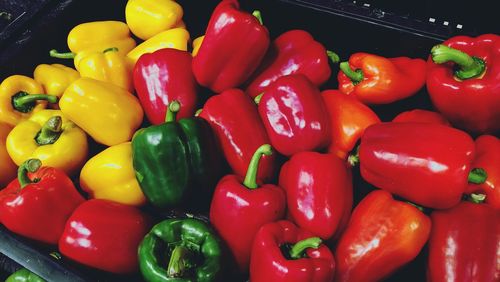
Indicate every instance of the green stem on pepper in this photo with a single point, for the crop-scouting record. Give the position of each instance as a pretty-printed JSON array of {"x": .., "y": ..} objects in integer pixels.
[
  {"x": 25, "y": 102},
  {"x": 477, "y": 176},
  {"x": 469, "y": 66},
  {"x": 251, "y": 176},
  {"x": 179, "y": 262},
  {"x": 68, "y": 55},
  {"x": 477, "y": 198},
  {"x": 258, "y": 15},
  {"x": 172, "y": 110},
  {"x": 333, "y": 56},
  {"x": 356, "y": 76},
  {"x": 31, "y": 165},
  {"x": 299, "y": 248},
  {"x": 50, "y": 131}
]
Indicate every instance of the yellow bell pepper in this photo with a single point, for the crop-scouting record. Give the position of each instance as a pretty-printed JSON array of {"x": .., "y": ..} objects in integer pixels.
[
  {"x": 50, "y": 137},
  {"x": 108, "y": 113},
  {"x": 197, "y": 44},
  {"x": 20, "y": 97},
  {"x": 176, "y": 38},
  {"x": 7, "y": 167},
  {"x": 99, "y": 36},
  {"x": 147, "y": 18},
  {"x": 180, "y": 24},
  {"x": 55, "y": 78},
  {"x": 110, "y": 175}
]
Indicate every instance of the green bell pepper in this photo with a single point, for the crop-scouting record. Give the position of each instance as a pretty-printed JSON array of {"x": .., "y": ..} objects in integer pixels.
[
  {"x": 181, "y": 250},
  {"x": 24, "y": 275}
]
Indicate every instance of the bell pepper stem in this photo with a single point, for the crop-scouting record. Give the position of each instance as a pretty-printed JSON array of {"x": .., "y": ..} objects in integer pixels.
[
  {"x": 178, "y": 262},
  {"x": 172, "y": 110},
  {"x": 258, "y": 98},
  {"x": 50, "y": 131},
  {"x": 31, "y": 165},
  {"x": 420, "y": 208},
  {"x": 68, "y": 55},
  {"x": 25, "y": 102},
  {"x": 198, "y": 112},
  {"x": 353, "y": 158},
  {"x": 251, "y": 176},
  {"x": 469, "y": 66},
  {"x": 112, "y": 49},
  {"x": 300, "y": 247},
  {"x": 356, "y": 76},
  {"x": 477, "y": 176},
  {"x": 477, "y": 198},
  {"x": 333, "y": 56},
  {"x": 258, "y": 15}
]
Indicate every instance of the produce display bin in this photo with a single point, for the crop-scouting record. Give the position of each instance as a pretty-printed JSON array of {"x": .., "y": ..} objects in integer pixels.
[{"x": 30, "y": 28}]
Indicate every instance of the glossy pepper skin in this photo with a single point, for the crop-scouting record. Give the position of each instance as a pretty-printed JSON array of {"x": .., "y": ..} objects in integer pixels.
[
  {"x": 239, "y": 208},
  {"x": 190, "y": 248},
  {"x": 487, "y": 157},
  {"x": 8, "y": 168},
  {"x": 319, "y": 192},
  {"x": 147, "y": 18},
  {"x": 105, "y": 235},
  {"x": 20, "y": 97},
  {"x": 110, "y": 175},
  {"x": 425, "y": 163},
  {"x": 293, "y": 52},
  {"x": 374, "y": 79},
  {"x": 38, "y": 209},
  {"x": 467, "y": 76},
  {"x": 108, "y": 113},
  {"x": 235, "y": 42},
  {"x": 235, "y": 121},
  {"x": 50, "y": 137},
  {"x": 421, "y": 116},
  {"x": 55, "y": 78},
  {"x": 382, "y": 235},
  {"x": 24, "y": 275},
  {"x": 464, "y": 244},
  {"x": 295, "y": 115},
  {"x": 162, "y": 77},
  {"x": 284, "y": 252},
  {"x": 348, "y": 120}
]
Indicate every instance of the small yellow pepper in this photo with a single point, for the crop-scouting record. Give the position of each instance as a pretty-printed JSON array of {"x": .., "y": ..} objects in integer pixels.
[
  {"x": 55, "y": 78},
  {"x": 147, "y": 18},
  {"x": 197, "y": 44},
  {"x": 8, "y": 169},
  {"x": 50, "y": 137},
  {"x": 20, "y": 97},
  {"x": 108, "y": 113},
  {"x": 110, "y": 175}
]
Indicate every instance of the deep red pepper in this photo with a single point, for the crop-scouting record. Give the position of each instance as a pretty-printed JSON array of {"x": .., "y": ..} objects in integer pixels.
[
  {"x": 239, "y": 209},
  {"x": 418, "y": 115},
  {"x": 463, "y": 81},
  {"x": 162, "y": 77},
  {"x": 319, "y": 192},
  {"x": 426, "y": 163},
  {"x": 38, "y": 203},
  {"x": 294, "y": 115},
  {"x": 283, "y": 252},
  {"x": 464, "y": 244},
  {"x": 105, "y": 235},
  {"x": 235, "y": 43},
  {"x": 293, "y": 52},
  {"x": 383, "y": 234},
  {"x": 237, "y": 125}
]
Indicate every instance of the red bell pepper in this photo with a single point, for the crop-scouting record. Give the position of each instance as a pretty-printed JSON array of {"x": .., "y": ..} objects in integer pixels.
[
  {"x": 38, "y": 203},
  {"x": 488, "y": 158},
  {"x": 239, "y": 209},
  {"x": 236, "y": 123},
  {"x": 465, "y": 244},
  {"x": 348, "y": 120},
  {"x": 382, "y": 235},
  {"x": 294, "y": 115},
  {"x": 293, "y": 52},
  {"x": 421, "y": 116},
  {"x": 463, "y": 81},
  {"x": 162, "y": 77},
  {"x": 283, "y": 252},
  {"x": 105, "y": 235},
  {"x": 235, "y": 43},
  {"x": 426, "y": 163},
  {"x": 377, "y": 80},
  {"x": 319, "y": 192}
]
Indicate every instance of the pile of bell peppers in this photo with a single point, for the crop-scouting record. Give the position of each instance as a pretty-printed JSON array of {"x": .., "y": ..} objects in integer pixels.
[{"x": 267, "y": 158}]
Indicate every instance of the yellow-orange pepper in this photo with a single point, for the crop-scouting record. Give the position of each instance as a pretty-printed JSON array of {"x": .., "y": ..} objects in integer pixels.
[
  {"x": 197, "y": 44},
  {"x": 55, "y": 78},
  {"x": 7, "y": 167},
  {"x": 108, "y": 113},
  {"x": 50, "y": 137},
  {"x": 147, "y": 18},
  {"x": 20, "y": 97},
  {"x": 110, "y": 175}
]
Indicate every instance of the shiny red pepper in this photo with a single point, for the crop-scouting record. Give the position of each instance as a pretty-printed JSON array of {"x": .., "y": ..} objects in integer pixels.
[
  {"x": 162, "y": 77},
  {"x": 294, "y": 115},
  {"x": 235, "y": 43},
  {"x": 463, "y": 81},
  {"x": 319, "y": 192},
  {"x": 421, "y": 116},
  {"x": 38, "y": 203},
  {"x": 293, "y": 52},
  {"x": 105, "y": 235},
  {"x": 236, "y": 123},
  {"x": 374, "y": 79},
  {"x": 426, "y": 163},
  {"x": 465, "y": 244},
  {"x": 239, "y": 209},
  {"x": 283, "y": 252}
]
